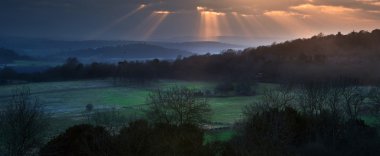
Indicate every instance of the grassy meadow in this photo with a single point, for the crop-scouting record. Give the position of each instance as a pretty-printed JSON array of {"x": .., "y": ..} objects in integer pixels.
[{"x": 66, "y": 101}]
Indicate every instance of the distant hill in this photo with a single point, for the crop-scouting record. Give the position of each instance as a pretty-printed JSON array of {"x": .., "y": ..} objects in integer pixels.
[
  {"x": 43, "y": 47},
  {"x": 8, "y": 56},
  {"x": 130, "y": 52},
  {"x": 201, "y": 47}
]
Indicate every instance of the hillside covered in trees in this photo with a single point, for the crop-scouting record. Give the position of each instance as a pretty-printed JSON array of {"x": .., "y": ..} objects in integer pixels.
[{"x": 355, "y": 55}]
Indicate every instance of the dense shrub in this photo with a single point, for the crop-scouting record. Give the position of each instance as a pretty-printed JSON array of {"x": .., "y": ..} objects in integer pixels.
[
  {"x": 161, "y": 139},
  {"x": 84, "y": 140},
  {"x": 138, "y": 139},
  {"x": 286, "y": 132}
]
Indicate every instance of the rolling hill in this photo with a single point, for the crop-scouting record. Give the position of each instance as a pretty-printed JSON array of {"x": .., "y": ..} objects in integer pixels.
[
  {"x": 8, "y": 56},
  {"x": 137, "y": 51}
]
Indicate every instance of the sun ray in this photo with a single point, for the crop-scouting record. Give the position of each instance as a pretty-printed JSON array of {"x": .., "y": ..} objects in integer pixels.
[
  {"x": 154, "y": 21},
  {"x": 211, "y": 22},
  {"x": 243, "y": 26},
  {"x": 293, "y": 23},
  {"x": 256, "y": 25},
  {"x": 117, "y": 21}
]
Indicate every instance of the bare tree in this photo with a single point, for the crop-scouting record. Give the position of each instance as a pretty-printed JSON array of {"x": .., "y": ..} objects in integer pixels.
[
  {"x": 312, "y": 97},
  {"x": 374, "y": 96},
  {"x": 353, "y": 100},
  {"x": 177, "y": 106},
  {"x": 342, "y": 100},
  {"x": 334, "y": 102},
  {"x": 277, "y": 98},
  {"x": 24, "y": 123}
]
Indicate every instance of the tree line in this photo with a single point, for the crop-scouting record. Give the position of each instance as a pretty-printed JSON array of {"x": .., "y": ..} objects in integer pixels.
[{"x": 353, "y": 55}]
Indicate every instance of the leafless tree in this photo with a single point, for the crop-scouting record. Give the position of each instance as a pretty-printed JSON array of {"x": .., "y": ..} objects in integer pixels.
[
  {"x": 334, "y": 102},
  {"x": 312, "y": 97},
  {"x": 374, "y": 96},
  {"x": 24, "y": 123},
  {"x": 177, "y": 105},
  {"x": 273, "y": 98},
  {"x": 353, "y": 100},
  {"x": 340, "y": 99}
]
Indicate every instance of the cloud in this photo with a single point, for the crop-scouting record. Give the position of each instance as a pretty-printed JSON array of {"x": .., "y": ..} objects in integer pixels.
[
  {"x": 81, "y": 17},
  {"x": 325, "y": 9},
  {"x": 285, "y": 13},
  {"x": 163, "y": 12},
  {"x": 370, "y": 2}
]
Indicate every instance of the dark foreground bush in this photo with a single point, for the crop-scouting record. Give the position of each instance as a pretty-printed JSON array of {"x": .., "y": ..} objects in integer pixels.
[
  {"x": 286, "y": 132},
  {"x": 162, "y": 139},
  {"x": 83, "y": 140},
  {"x": 274, "y": 132},
  {"x": 138, "y": 139}
]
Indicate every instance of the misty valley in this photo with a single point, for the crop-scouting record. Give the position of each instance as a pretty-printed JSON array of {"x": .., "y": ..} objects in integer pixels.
[
  {"x": 313, "y": 87},
  {"x": 189, "y": 78}
]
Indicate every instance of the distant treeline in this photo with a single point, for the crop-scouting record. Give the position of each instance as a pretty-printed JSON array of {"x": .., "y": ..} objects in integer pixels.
[{"x": 355, "y": 55}]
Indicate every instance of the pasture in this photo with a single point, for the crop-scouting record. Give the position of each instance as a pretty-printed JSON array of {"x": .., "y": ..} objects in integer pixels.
[{"x": 66, "y": 101}]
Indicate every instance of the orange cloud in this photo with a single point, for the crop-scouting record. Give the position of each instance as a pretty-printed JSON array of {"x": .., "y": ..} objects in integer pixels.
[
  {"x": 162, "y": 12},
  {"x": 370, "y": 2},
  {"x": 285, "y": 13},
  {"x": 324, "y": 9},
  {"x": 205, "y": 10},
  {"x": 200, "y": 8}
]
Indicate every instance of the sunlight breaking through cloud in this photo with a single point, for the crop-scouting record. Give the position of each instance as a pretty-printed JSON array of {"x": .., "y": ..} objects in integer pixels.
[
  {"x": 211, "y": 22},
  {"x": 207, "y": 19},
  {"x": 118, "y": 21},
  {"x": 154, "y": 21}
]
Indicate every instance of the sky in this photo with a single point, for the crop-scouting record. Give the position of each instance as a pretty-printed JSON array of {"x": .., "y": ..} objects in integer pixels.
[{"x": 176, "y": 20}]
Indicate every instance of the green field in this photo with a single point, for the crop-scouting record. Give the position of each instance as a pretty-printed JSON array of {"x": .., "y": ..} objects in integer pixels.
[
  {"x": 219, "y": 135},
  {"x": 66, "y": 101}
]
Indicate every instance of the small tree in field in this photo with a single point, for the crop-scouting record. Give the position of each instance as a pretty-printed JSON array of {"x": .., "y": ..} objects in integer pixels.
[
  {"x": 177, "y": 106},
  {"x": 23, "y": 124}
]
